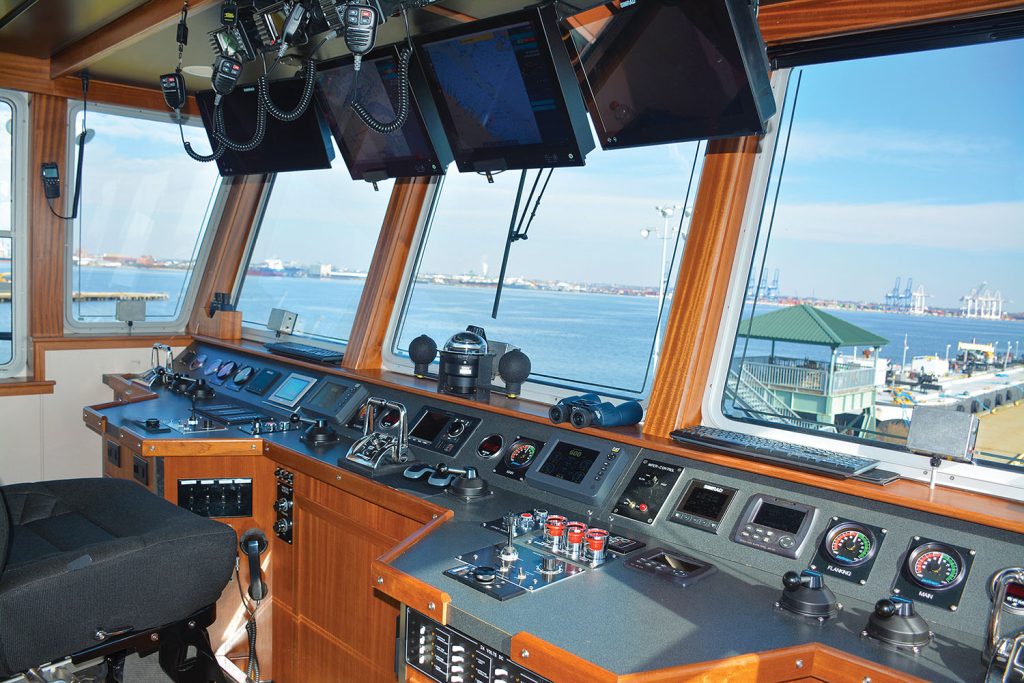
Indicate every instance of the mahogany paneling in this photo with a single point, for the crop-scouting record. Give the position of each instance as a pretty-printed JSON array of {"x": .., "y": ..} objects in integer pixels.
[
  {"x": 977, "y": 508},
  {"x": 324, "y": 659},
  {"x": 49, "y": 116},
  {"x": 384, "y": 277},
  {"x": 191, "y": 448},
  {"x": 128, "y": 29},
  {"x": 21, "y": 387},
  {"x": 228, "y": 247},
  {"x": 791, "y": 21},
  {"x": 286, "y": 636},
  {"x": 30, "y": 74},
  {"x": 223, "y": 325},
  {"x": 414, "y": 676},
  {"x": 691, "y": 334}
]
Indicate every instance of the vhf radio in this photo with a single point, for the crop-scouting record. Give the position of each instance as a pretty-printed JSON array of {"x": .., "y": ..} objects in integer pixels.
[{"x": 360, "y": 27}]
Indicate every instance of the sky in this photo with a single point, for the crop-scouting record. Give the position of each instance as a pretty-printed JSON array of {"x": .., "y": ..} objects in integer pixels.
[{"x": 905, "y": 166}]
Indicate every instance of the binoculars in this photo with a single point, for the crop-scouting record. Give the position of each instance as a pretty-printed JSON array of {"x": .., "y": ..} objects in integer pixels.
[{"x": 586, "y": 410}]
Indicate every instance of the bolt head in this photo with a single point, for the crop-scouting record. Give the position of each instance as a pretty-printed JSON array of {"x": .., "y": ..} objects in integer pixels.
[
  {"x": 154, "y": 637},
  {"x": 524, "y": 653},
  {"x": 799, "y": 663},
  {"x": 192, "y": 624},
  {"x": 431, "y": 606},
  {"x": 380, "y": 580}
]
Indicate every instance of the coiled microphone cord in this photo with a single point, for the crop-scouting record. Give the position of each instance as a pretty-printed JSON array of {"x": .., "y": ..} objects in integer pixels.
[
  {"x": 402, "y": 111},
  {"x": 304, "y": 100}
]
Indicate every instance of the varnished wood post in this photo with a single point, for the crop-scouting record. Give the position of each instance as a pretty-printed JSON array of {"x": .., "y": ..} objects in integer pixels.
[
  {"x": 691, "y": 334},
  {"x": 47, "y": 233},
  {"x": 384, "y": 277}
]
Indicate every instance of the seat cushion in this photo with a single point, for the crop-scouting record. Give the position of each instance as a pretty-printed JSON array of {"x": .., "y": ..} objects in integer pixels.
[{"x": 88, "y": 554}]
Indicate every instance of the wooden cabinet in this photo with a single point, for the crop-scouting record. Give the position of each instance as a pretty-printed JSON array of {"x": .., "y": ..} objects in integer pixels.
[{"x": 329, "y": 623}]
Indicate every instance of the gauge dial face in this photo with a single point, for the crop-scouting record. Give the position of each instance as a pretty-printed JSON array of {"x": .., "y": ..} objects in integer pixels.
[
  {"x": 226, "y": 369},
  {"x": 935, "y": 566},
  {"x": 521, "y": 453},
  {"x": 850, "y": 544},
  {"x": 390, "y": 418},
  {"x": 197, "y": 362},
  {"x": 243, "y": 375},
  {"x": 490, "y": 446},
  {"x": 212, "y": 367}
]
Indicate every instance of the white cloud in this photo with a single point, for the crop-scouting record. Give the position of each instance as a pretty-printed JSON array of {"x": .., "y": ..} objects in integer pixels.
[
  {"x": 824, "y": 142},
  {"x": 967, "y": 227}
]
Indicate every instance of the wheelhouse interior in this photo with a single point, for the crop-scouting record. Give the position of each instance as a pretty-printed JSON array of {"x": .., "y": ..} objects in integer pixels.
[{"x": 488, "y": 341}]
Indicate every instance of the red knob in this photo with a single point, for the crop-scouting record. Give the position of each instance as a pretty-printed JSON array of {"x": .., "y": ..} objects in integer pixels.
[
  {"x": 643, "y": 507},
  {"x": 555, "y": 525},
  {"x": 597, "y": 539},
  {"x": 576, "y": 531}
]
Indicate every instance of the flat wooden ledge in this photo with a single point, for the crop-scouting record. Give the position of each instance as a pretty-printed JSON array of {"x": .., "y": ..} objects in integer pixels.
[
  {"x": 977, "y": 508},
  {"x": 25, "y": 387}
]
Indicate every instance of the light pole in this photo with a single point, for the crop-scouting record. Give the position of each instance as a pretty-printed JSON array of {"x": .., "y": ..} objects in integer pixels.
[
  {"x": 947, "y": 352},
  {"x": 666, "y": 211}
]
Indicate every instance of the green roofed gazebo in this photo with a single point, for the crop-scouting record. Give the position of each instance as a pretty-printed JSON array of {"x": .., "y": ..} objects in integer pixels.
[
  {"x": 805, "y": 324},
  {"x": 839, "y": 393}
]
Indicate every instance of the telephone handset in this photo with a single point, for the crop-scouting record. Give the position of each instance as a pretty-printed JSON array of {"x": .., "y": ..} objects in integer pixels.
[{"x": 51, "y": 180}]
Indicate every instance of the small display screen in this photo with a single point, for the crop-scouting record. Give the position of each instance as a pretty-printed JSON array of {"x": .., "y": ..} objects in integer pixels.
[
  {"x": 706, "y": 500},
  {"x": 780, "y": 518},
  {"x": 292, "y": 389},
  {"x": 569, "y": 462},
  {"x": 429, "y": 426},
  {"x": 327, "y": 397},
  {"x": 674, "y": 562}
]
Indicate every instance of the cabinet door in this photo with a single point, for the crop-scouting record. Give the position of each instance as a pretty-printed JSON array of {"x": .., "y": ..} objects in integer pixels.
[{"x": 344, "y": 625}]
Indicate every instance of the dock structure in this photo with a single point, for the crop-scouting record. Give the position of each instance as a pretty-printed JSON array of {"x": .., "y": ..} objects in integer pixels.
[
  {"x": 835, "y": 395},
  {"x": 5, "y": 296}
]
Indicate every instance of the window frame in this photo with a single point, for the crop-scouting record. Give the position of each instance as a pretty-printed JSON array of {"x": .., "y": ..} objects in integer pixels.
[
  {"x": 216, "y": 211},
  {"x": 541, "y": 391},
  {"x": 20, "y": 103},
  {"x": 990, "y": 481},
  {"x": 262, "y": 335}
]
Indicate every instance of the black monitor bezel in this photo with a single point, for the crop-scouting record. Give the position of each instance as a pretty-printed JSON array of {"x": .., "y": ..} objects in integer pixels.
[
  {"x": 573, "y": 111},
  {"x": 276, "y": 163},
  {"x": 758, "y": 103},
  {"x": 421, "y": 114}
]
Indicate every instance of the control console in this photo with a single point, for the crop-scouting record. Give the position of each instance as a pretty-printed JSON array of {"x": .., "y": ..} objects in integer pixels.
[{"x": 446, "y": 655}]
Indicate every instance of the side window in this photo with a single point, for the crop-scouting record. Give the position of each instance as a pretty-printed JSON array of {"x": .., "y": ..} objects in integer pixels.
[
  {"x": 887, "y": 270},
  {"x": 13, "y": 271},
  {"x": 145, "y": 213},
  {"x": 311, "y": 250},
  {"x": 584, "y": 296}
]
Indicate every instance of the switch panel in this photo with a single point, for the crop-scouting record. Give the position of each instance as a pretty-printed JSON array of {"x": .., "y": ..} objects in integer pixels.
[
  {"x": 283, "y": 502},
  {"x": 647, "y": 490},
  {"x": 216, "y": 497},
  {"x": 445, "y": 655}
]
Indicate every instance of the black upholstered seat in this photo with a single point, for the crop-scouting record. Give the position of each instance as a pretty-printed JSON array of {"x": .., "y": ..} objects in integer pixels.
[{"x": 87, "y": 554}]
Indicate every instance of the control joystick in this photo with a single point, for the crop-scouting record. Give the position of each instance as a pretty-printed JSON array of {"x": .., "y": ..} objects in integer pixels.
[
  {"x": 895, "y": 622},
  {"x": 319, "y": 433},
  {"x": 201, "y": 391},
  {"x": 467, "y": 485},
  {"x": 807, "y": 595}
]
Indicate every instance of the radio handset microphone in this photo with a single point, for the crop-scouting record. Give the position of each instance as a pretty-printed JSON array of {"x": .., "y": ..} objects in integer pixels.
[
  {"x": 226, "y": 72},
  {"x": 173, "y": 87},
  {"x": 253, "y": 544},
  {"x": 360, "y": 30}
]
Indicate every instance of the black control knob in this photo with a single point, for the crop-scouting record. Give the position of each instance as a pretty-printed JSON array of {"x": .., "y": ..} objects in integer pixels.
[
  {"x": 484, "y": 575},
  {"x": 152, "y": 423},
  {"x": 807, "y": 595},
  {"x": 283, "y": 505},
  {"x": 456, "y": 428},
  {"x": 201, "y": 390},
  {"x": 895, "y": 622},
  {"x": 282, "y": 526},
  {"x": 319, "y": 433}
]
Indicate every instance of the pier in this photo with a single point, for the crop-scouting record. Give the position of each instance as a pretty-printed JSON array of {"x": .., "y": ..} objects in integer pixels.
[{"x": 5, "y": 296}]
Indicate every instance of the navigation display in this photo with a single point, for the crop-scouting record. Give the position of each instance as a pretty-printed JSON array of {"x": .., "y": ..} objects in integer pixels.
[
  {"x": 429, "y": 426},
  {"x": 706, "y": 500},
  {"x": 292, "y": 390},
  {"x": 569, "y": 462},
  {"x": 326, "y": 398},
  {"x": 410, "y": 151},
  {"x": 780, "y": 518},
  {"x": 506, "y": 93}
]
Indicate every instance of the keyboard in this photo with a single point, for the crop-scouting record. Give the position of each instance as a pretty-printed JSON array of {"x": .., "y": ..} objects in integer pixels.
[
  {"x": 314, "y": 354},
  {"x": 817, "y": 460}
]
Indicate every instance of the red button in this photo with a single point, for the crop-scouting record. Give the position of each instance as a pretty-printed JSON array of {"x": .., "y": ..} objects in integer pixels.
[{"x": 643, "y": 507}]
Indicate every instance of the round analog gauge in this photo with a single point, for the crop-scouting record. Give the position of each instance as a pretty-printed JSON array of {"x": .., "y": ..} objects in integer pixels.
[
  {"x": 935, "y": 566},
  {"x": 390, "y": 418},
  {"x": 521, "y": 453},
  {"x": 226, "y": 369},
  {"x": 212, "y": 367},
  {"x": 243, "y": 375},
  {"x": 850, "y": 544},
  {"x": 490, "y": 446},
  {"x": 197, "y": 362}
]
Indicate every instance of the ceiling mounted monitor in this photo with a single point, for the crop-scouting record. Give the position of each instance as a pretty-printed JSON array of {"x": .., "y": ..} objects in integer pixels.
[
  {"x": 300, "y": 145},
  {"x": 418, "y": 148},
  {"x": 660, "y": 71},
  {"x": 506, "y": 92}
]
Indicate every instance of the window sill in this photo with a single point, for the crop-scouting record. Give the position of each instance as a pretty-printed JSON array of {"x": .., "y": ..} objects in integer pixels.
[{"x": 25, "y": 387}]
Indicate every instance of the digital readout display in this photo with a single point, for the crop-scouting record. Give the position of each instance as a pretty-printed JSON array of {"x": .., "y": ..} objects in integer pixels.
[
  {"x": 292, "y": 389},
  {"x": 706, "y": 500},
  {"x": 779, "y": 518},
  {"x": 327, "y": 397},
  {"x": 569, "y": 462},
  {"x": 429, "y": 426}
]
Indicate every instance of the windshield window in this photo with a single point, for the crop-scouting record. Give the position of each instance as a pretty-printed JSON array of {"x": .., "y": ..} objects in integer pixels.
[
  {"x": 584, "y": 293},
  {"x": 888, "y": 269}
]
